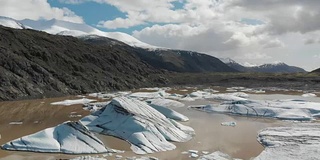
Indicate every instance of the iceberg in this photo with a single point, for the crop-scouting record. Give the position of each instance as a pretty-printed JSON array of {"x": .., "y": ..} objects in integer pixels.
[
  {"x": 68, "y": 137},
  {"x": 301, "y": 141},
  {"x": 280, "y": 109},
  {"x": 145, "y": 128}
]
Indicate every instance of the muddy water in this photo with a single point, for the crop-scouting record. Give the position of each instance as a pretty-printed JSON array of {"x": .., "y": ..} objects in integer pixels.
[
  {"x": 239, "y": 141},
  {"x": 35, "y": 115}
]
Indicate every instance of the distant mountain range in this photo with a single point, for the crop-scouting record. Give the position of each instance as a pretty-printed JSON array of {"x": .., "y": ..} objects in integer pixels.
[{"x": 278, "y": 67}]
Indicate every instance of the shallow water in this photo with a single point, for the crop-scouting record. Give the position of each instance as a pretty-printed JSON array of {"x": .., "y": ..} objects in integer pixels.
[{"x": 239, "y": 141}]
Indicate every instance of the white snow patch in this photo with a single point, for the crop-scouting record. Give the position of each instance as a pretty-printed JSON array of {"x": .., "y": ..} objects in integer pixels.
[
  {"x": 54, "y": 26},
  {"x": 9, "y": 22}
]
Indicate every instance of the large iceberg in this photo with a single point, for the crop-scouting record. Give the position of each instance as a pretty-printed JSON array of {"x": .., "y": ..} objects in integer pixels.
[
  {"x": 280, "y": 109},
  {"x": 68, "y": 137},
  {"x": 145, "y": 128},
  {"x": 300, "y": 141}
]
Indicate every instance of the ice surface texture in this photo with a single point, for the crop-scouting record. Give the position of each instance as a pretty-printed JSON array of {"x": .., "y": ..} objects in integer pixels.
[{"x": 138, "y": 123}]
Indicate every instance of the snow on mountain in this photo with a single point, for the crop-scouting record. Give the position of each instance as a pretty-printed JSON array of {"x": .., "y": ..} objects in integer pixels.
[
  {"x": 274, "y": 67},
  {"x": 227, "y": 60},
  {"x": 60, "y": 27},
  {"x": 9, "y": 22},
  {"x": 247, "y": 64}
]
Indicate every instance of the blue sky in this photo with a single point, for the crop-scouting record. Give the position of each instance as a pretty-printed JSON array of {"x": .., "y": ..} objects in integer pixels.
[
  {"x": 93, "y": 12},
  {"x": 248, "y": 31}
]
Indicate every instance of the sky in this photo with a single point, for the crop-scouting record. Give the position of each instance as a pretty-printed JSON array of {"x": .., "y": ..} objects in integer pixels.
[{"x": 247, "y": 31}]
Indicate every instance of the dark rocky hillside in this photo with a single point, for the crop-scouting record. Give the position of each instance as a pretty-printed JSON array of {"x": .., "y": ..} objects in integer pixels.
[
  {"x": 37, "y": 64},
  {"x": 317, "y": 70},
  {"x": 183, "y": 61},
  {"x": 168, "y": 59}
]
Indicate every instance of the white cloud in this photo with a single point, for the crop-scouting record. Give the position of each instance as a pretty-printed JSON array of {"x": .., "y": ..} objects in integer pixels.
[
  {"x": 254, "y": 56},
  {"x": 36, "y": 9}
]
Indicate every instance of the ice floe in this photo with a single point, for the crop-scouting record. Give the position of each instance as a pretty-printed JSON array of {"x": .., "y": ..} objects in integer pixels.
[
  {"x": 301, "y": 141},
  {"x": 135, "y": 121},
  {"x": 281, "y": 109},
  {"x": 73, "y": 102},
  {"x": 68, "y": 137}
]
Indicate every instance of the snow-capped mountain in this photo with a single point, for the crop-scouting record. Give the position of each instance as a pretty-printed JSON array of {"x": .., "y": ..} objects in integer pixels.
[
  {"x": 276, "y": 67},
  {"x": 60, "y": 27},
  {"x": 9, "y": 22}
]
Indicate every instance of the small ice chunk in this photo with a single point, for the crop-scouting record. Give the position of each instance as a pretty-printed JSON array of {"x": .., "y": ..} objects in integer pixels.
[
  {"x": 88, "y": 158},
  {"x": 16, "y": 123},
  {"x": 309, "y": 95},
  {"x": 232, "y": 124},
  {"x": 205, "y": 152},
  {"x": 184, "y": 152},
  {"x": 73, "y": 102},
  {"x": 193, "y": 151},
  {"x": 194, "y": 155},
  {"x": 118, "y": 156},
  {"x": 217, "y": 155}
]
